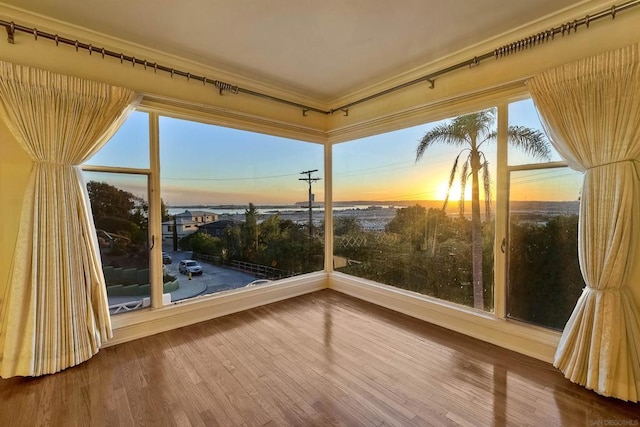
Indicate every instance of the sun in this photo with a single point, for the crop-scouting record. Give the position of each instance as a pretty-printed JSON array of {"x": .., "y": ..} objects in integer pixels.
[{"x": 443, "y": 187}]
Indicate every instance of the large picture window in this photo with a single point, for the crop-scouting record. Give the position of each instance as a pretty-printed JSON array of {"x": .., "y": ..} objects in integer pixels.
[
  {"x": 242, "y": 208},
  {"x": 413, "y": 208}
]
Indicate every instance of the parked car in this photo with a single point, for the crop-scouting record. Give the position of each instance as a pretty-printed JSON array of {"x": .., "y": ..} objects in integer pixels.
[
  {"x": 166, "y": 258},
  {"x": 189, "y": 266}
]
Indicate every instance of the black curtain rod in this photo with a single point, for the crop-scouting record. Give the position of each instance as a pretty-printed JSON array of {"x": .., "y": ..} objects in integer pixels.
[
  {"x": 508, "y": 49},
  {"x": 522, "y": 44}
]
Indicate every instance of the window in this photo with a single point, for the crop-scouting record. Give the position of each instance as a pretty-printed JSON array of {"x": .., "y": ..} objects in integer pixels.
[
  {"x": 245, "y": 206},
  {"x": 404, "y": 224},
  {"x": 241, "y": 205},
  {"x": 544, "y": 279},
  {"x": 129, "y": 147},
  {"x": 120, "y": 209}
]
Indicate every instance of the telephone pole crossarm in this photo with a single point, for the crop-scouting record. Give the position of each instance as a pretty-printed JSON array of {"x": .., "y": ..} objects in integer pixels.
[{"x": 310, "y": 181}]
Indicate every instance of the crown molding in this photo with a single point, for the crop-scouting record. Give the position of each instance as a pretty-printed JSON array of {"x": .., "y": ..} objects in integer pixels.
[
  {"x": 565, "y": 15},
  {"x": 71, "y": 31}
]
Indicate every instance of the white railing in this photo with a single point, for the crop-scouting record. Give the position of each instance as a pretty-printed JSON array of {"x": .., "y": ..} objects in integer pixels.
[{"x": 125, "y": 306}]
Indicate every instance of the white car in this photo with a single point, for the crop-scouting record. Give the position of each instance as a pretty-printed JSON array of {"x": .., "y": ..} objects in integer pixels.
[
  {"x": 189, "y": 266},
  {"x": 258, "y": 282}
]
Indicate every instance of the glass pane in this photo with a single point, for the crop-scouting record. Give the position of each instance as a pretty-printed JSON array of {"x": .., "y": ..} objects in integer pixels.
[
  {"x": 238, "y": 206},
  {"x": 523, "y": 115},
  {"x": 391, "y": 223},
  {"x": 544, "y": 274},
  {"x": 129, "y": 147},
  {"x": 119, "y": 206}
]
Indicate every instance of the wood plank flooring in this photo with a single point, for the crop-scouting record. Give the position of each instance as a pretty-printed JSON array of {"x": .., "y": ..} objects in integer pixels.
[{"x": 316, "y": 360}]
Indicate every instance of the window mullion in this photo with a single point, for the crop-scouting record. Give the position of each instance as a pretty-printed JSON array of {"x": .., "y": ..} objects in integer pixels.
[
  {"x": 502, "y": 215},
  {"x": 155, "y": 214}
]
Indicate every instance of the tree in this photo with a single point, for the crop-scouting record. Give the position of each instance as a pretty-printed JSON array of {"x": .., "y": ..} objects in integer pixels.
[
  {"x": 410, "y": 223},
  {"x": 109, "y": 201},
  {"x": 470, "y": 132},
  {"x": 343, "y": 225},
  {"x": 250, "y": 233}
]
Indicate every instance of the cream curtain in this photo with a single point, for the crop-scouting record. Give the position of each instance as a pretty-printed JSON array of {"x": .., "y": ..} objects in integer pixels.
[
  {"x": 54, "y": 312},
  {"x": 591, "y": 111}
]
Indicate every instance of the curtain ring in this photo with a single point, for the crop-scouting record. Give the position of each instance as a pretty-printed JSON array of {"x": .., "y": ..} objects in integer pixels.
[
  {"x": 35, "y": 33},
  {"x": 133, "y": 61},
  {"x": 145, "y": 64},
  {"x": 188, "y": 76},
  {"x": 102, "y": 52},
  {"x": 55, "y": 38},
  {"x": 121, "y": 57},
  {"x": 90, "y": 49},
  {"x": 204, "y": 81},
  {"x": 76, "y": 45},
  {"x": 155, "y": 67}
]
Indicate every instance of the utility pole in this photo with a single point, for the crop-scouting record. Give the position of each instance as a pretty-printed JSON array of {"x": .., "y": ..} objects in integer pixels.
[{"x": 309, "y": 180}]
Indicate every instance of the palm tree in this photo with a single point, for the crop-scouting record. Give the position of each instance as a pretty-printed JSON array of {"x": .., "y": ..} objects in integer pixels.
[{"x": 470, "y": 132}]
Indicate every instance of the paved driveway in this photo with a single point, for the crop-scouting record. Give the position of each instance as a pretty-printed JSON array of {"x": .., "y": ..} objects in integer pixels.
[{"x": 215, "y": 278}]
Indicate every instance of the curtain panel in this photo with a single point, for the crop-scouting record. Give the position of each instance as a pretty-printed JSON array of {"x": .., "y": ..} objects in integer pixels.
[
  {"x": 591, "y": 112},
  {"x": 54, "y": 312}
]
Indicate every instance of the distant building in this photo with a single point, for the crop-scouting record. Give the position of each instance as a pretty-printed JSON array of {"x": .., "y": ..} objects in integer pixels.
[
  {"x": 187, "y": 223},
  {"x": 217, "y": 228},
  {"x": 198, "y": 217}
]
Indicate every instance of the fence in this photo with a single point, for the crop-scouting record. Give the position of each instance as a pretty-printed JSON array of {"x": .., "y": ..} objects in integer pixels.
[
  {"x": 262, "y": 270},
  {"x": 258, "y": 270}
]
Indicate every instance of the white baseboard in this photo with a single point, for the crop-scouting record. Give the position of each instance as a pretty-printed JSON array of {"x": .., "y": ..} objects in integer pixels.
[
  {"x": 143, "y": 323},
  {"x": 537, "y": 342}
]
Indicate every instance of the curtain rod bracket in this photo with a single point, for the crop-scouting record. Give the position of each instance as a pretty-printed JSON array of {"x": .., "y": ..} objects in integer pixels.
[
  {"x": 432, "y": 83},
  {"x": 304, "y": 112},
  {"x": 11, "y": 31}
]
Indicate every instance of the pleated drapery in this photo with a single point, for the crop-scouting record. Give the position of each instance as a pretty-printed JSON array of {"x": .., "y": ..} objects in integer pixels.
[
  {"x": 591, "y": 111},
  {"x": 55, "y": 312}
]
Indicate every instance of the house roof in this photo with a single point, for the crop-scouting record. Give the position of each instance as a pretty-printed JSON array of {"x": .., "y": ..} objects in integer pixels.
[{"x": 217, "y": 225}]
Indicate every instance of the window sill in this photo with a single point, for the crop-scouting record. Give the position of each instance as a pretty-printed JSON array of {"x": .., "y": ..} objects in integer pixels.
[
  {"x": 537, "y": 342},
  {"x": 533, "y": 341},
  {"x": 143, "y": 323}
]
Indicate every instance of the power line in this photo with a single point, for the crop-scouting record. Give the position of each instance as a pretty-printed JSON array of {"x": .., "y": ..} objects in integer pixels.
[{"x": 226, "y": 179}]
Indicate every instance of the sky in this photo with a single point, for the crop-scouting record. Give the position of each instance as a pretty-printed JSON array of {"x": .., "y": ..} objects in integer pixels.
[{"x": 213, "y": 165}]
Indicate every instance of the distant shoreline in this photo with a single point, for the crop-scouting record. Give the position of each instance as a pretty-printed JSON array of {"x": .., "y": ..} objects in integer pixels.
[{"x": 386, "y": 203}]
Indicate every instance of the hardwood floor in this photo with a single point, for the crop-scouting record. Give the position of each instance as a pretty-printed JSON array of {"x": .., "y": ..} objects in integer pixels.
[{"x": 320, "y": 359}]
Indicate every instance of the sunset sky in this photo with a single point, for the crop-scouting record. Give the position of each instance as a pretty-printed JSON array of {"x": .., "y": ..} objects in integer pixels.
[{"x": 204, "y": 164}]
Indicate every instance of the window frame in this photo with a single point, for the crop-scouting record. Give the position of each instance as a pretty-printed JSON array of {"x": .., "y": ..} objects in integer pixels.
[{"x": 494, "y": 328}]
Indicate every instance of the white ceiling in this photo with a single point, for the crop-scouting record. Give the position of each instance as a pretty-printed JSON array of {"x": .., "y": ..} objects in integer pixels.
[{"x": 322, "y": 49}]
